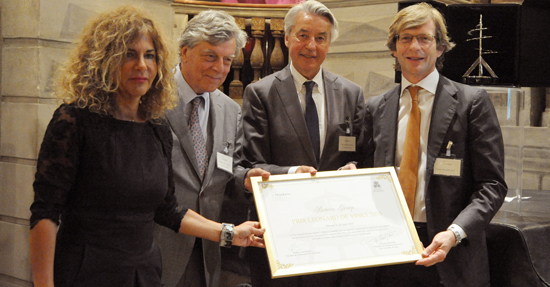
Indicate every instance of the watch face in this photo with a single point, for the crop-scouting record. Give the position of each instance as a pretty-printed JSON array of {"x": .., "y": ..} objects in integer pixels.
[
  {"x": 226, "y": 236},
  {"x": 230, "y": 234}
]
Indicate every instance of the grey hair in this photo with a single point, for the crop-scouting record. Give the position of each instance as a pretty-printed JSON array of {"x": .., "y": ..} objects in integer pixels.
[
  {"x": 314, "y": 8},
  {"x": 213, "y": 26}
]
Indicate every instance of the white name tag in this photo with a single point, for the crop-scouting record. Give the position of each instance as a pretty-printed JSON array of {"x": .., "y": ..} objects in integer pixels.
[
  {"x": 346, "y": 143},
  {"x": 447, "y": 166},
  {"x": 225, "y": 162}
]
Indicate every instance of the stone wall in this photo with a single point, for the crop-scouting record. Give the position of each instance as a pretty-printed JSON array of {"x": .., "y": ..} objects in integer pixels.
[
  {"x": 526, "y": 155},
  {"x": 359, "y": 54},
  {"x": 37, "y": 35}
]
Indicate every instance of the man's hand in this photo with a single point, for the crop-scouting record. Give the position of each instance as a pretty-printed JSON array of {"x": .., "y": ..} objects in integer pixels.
[
  {"x": 248, "y": 234},
  {"x": 255, "y": 172},
  {"x": 439, "y": 248},
  {"x": 349, "y": 166},
  {"x": 306, "y": 169}
]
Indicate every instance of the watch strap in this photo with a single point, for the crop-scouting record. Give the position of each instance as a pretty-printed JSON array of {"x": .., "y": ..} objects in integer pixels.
[
  {"x": 457, "y": 234},
  {"x": 226, "y": 236}
]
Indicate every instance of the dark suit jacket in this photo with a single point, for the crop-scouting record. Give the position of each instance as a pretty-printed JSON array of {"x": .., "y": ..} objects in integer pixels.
[
  {"x": 276, "y": 138},
  {"x": 464, "y": 115},
  {"x": 276, "y": 135},
  {"x": 206, "y": 197}
]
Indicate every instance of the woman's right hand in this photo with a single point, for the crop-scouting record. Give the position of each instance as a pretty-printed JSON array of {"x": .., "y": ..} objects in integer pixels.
[{"x": 249, "y": 234}]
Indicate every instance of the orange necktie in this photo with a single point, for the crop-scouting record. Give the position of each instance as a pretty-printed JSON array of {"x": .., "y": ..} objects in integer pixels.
[{"x": 408, "y": 170}]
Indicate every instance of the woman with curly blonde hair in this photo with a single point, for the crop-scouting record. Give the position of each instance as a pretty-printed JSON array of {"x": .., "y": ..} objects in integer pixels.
[
  {"x": 91, "y": 77},
  {"x": 104, "y": 171}
]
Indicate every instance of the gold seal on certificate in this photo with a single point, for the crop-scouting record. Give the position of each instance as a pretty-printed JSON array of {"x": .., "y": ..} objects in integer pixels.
[{"x": 335, "y": 220}]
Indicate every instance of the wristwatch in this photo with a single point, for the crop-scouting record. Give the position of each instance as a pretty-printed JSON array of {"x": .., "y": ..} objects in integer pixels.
[
  {"x": 457, "y": 234},
  {"x": 226, "y": 237}
]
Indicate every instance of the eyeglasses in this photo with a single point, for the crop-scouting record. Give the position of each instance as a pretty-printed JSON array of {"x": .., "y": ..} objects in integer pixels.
[{"x": 423, "y": 39}]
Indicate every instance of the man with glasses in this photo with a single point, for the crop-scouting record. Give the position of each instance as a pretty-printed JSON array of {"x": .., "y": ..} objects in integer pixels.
[
  {"x": 209, "y": 172},
  {"x": 446, "y": 140}
]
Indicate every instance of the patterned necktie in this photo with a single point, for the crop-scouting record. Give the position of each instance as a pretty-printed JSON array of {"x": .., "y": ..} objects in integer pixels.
[
  {"x": 408, "y": 170},
  {"x": 198, "y": 138},
  {"x": 312, "y": 120}
]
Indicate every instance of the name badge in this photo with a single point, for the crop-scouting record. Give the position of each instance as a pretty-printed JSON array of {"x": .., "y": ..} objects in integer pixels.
[
  {"x": 346, "y": 143},
  {"x": 447, "y": 166},
  {"x": 225, "y": 162}
]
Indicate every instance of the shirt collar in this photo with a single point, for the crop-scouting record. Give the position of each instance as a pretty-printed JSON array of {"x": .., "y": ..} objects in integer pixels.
[
  {"x": 429, "y": 83},
  {"x": 185, "y": 91},
  {"x": 299, "y": 80}
]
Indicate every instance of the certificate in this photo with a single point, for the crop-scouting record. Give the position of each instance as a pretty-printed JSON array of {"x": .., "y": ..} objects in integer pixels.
[{"x": 335, "y": 220}]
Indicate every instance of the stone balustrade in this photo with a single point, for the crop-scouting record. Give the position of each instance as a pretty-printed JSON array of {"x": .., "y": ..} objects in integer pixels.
[{"x": 264, "y": 52}]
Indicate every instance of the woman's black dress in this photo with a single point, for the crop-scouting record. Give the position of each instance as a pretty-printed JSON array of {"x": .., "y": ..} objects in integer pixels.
[{"x": 108, "y": 181}]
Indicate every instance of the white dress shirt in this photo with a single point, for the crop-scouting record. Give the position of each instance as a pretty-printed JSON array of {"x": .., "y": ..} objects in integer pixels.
[
  {"x": 187, "y": 94},
  {"x": 426, "y": 98},
  {"x": 318, "y": 95},
  {"x": 425, "y": 102}
]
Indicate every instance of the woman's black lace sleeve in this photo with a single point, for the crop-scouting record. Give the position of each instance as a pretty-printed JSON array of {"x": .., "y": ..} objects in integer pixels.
[{"x": 57, "y": 165}]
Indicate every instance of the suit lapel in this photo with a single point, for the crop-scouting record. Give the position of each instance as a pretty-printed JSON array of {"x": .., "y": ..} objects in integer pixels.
[
  {"x": 217, "y": 119},
  {"x": 178, "y": 122},
  {"x": 388, "y": 122},
  {"x": 333, "y": 106},
  {"x": 444, "y": 109},
  {"x": 288, "y": 96}
]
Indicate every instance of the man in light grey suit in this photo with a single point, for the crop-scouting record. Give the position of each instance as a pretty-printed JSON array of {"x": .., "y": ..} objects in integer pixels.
[
  {"x": 459, "y": 130},
  {"x": 204, "y": 172},
  {"x": 281, "y": 138}
]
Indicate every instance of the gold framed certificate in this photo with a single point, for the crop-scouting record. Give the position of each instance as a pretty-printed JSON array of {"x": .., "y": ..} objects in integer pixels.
[{"x": 335, "y": 220}]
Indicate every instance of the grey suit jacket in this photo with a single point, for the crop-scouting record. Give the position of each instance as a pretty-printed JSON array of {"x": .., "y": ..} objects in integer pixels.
[
  {"x": 464, "y": 115},
  {"x": 204, "y": 197},
  {"x": 276, "y": 135}
]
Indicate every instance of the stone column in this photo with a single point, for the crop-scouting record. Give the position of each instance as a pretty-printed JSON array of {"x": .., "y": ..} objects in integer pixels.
[
  {"x": 277, "y": 57},
  {"x": 257, "y": 57},
  {"x": 28, "y": 56},
  {"x": 236, "y": 86}
]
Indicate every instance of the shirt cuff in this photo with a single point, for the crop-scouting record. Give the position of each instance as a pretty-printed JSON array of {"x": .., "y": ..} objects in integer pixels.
[
  {"x": 455, "y": 228},
  {"x": 293, "y": 169}
]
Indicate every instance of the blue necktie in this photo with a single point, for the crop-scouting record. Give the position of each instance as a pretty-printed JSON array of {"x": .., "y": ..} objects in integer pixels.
[
  {"x": 312, "y": 120},
  {"x": 198, "y": 139}
]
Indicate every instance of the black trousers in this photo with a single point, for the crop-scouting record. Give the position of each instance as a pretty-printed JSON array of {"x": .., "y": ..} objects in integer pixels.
[
  {"x": 194, "y": 273},
  {"x": 408, "y": 274},
  {"x": 261, "y": 274}
]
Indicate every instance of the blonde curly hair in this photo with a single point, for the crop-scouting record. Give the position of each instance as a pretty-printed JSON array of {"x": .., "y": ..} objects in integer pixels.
[{"x": 91, "y": 76}]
